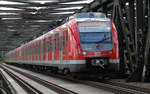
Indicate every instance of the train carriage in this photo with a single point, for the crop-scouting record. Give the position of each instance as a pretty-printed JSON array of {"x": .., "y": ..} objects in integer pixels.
[{"x": 87, "y": 41}]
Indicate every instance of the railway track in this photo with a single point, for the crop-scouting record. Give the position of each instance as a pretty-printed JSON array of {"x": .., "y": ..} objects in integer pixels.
[
  {"x": 126, "y": 85},
  {"x": 118, "y": 89},
  {"x": 27, "y": 87},
  {"x": 112, "y": 86},
  {"x": 30, "y": 89}
]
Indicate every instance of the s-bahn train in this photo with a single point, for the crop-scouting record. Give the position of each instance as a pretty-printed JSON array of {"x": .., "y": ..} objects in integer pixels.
[{"x": 87, "y": 41}]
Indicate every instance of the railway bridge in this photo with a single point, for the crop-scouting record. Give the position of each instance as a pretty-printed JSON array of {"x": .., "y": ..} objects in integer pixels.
[{"x": 24, "y": 20}]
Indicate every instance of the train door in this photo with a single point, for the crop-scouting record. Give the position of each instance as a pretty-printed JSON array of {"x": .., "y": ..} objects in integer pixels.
[
  {"x": 66, "y": 47},
  {"x": 61, "y": 50},
  {"x": 44, "y": 49},
  {"x": 64, "y": 52},
  {"x": 47, "y": 49},
  {"x": 53, "y": 48}
]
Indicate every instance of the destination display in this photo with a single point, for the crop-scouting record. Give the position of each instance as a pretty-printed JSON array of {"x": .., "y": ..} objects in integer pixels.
[{"x": 94, "y": 24}]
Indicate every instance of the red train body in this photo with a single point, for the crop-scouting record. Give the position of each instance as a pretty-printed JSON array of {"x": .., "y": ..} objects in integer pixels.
[{"x": 81, "y": 44}]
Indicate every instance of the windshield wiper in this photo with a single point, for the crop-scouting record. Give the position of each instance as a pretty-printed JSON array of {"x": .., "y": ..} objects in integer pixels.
[
  {"x": 98, "y": 45},
  {"x": 103, "y": 40}
]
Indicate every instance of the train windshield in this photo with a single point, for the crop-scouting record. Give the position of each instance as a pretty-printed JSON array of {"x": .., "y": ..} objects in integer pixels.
[{"x": 95, "y": 35}]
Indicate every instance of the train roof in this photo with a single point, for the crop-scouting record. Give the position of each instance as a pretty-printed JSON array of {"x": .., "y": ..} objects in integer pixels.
[{"x": 88, "y": 15}]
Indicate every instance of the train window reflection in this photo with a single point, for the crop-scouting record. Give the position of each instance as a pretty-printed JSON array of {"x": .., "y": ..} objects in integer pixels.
[{"x": 95, "y": 37}]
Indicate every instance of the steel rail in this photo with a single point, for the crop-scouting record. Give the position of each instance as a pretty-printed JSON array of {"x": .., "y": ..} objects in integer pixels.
[
  {"x": 112, "y": 88},
  {"x": 126, "y": 85},
  {"x": 12, "y": 90},
  {"x": 27, "y": 87},
  {"x": 47, "y": 84}
]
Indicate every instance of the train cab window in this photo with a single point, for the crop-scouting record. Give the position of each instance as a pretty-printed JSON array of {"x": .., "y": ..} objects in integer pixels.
[{"x": 101, "y": 30}]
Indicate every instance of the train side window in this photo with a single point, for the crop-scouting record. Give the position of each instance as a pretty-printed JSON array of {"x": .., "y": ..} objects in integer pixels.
[
  {"x": 61, "y": 42},
  {"x": 47, "y": 45},
  {"x": 50, "y": 46},
  {"x": 35, "y": 48},
  {"x": 38, "y": 48},
  {"x": 64, "y": 42},
  {"x": 32, "y": 49},
  {"x": 27, "y": 50},
  {"x": 54, "y": 44},
  {"x": 58, "y": 46}
]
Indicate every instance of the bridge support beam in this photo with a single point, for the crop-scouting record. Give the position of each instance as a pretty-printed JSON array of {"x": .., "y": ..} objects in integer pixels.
[
  {"x": 147, "y": 48},
  {"x": 138, "y": 74}
]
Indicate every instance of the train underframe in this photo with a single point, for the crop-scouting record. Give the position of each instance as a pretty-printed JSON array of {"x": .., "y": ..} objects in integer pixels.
[{"x": 89, "y": 65}]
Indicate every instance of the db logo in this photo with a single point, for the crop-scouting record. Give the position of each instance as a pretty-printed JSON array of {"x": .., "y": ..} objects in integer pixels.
[{"x": 97, "y": 53}]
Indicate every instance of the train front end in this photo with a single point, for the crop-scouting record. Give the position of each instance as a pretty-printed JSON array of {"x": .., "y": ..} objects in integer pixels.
[{"x": 99, "y": 43}]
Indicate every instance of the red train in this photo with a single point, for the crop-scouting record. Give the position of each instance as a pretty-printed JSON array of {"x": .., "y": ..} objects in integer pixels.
[{"x": 87, "y": 41}]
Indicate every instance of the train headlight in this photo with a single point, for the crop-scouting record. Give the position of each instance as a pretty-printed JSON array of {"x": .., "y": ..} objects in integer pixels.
[
  {"x": 110, "y": 52},
  {"x": 84, "y": 53}
]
